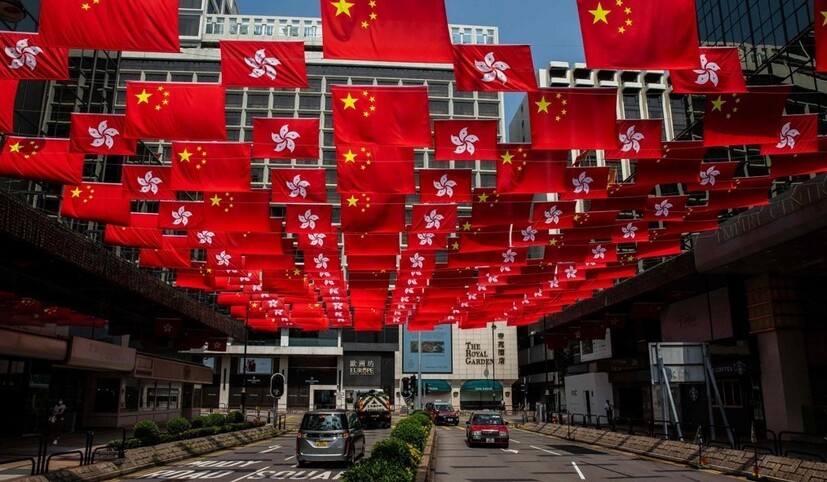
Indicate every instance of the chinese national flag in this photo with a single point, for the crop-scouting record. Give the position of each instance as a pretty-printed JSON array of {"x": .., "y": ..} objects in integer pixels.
[
  {"x": 718, "y": 71},
  {"x": 820, "y": 7},
  {"x": 169, "y": 110},
  {"x": 493, "y": 209},
  {"x": 145, "y": 181},
  {"x": 465, "y": 140},
  {"x": 434, "y": 218},
  {"x": 366, "y": 244},
  {"x": 145, "y": 26},
  {"x": 374, "y": 169},
  {"x": 373, "y": 213},
  {"x": 251, "y": 63},
  {"x": 220, "y": 166},
  {"x": 168, "y": 327},
  {"x": 285, "y": 138},
  {"x": 680, "y": 161},
  {"x": 494, "y": 68},
  {"x": 797, "y": 165},
  {"x": 384, "y": 116},
  {"x": 142, "y": 232},
  {"x": 445, "y": 185},
  {"x": 522, "y": 170},
  {"x": 100, "y": 134},
  {"x": 751, "y": 118},
  {"x": 573, "y": 118},
  {"x": 40, "y": 159},
  {"x": 371, "y": 263},
  {"x": 635, "y": 34},
  {"x": 28, "y": 57},
  {"x": 237, "y": 211},
  {"x": 298, "y": 186},
  {"x": 638, "y": 139},
  {"x": 391, "y": 31},
  {"x": 797, "y": 134},
  {"x": 96, "y": 201},
  {"x": 8, "y": 94},
  {"x": 172, "y": 254},
  {"x": 657, "y": 249}
]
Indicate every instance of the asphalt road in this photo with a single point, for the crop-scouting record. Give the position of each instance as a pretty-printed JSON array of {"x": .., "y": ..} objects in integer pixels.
[
  {"x": 274, "y": 459},
  {"x": 534, "y": 457}
]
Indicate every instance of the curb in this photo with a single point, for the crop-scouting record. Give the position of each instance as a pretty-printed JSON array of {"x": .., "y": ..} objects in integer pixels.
[{"x": 427, "y": 463}]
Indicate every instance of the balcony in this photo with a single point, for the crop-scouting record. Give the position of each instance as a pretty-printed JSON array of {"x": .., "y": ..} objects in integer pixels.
[{"x": 250, "y": 27}]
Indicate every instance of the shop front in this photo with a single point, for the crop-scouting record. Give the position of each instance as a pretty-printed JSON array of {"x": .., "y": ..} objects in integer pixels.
[{"x": 481, "y": 395}]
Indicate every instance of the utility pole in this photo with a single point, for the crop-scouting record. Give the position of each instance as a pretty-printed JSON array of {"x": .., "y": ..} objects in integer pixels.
[
  {"x": 244, "y": 361},
  {"x": 419, "y": 369},
  {"x": 493, "y": 364}
]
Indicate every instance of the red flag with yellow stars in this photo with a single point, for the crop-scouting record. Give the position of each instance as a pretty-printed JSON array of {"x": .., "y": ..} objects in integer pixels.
[
  {"x": 40, "y": 159},
  {"x": 374, "y": 213},
  {"x": 145, "y": 26},
  {"x": 237, "y": 211},
  {"x": 820, "y": 8},
  {"x": 220, "y": 166},
  {"x": 253, "y": 63},
  {"x": 718, "y": 72},
  {"x": 172, "y": 254},
  {"x": 635, "y": 34},
  {"x": 382, "y": 116},
  {"x": 28, "y": 57},
  {"x": 523, "y": 170},
  {"x": 490, "y": 208},
  {"x": 386, "y": 30},
  {"x": 100, "y": 134},
  {"x": 375, "y": 169},
  {"x": 445, "y": 185},
  {"x": 8, "y": 94},
  {"x": 96, "y": 201},
  {"x": 142, "y": 232},
  {"x": 797, "y": 134},
  {"x": 738, "y": 119},
  {"x": 573, "y": 118},
  {"x": 170, "y": 110}
]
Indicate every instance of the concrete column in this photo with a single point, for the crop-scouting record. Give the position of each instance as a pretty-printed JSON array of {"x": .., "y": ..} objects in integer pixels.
[
  {"x": 224, "y": 390},
  {"x": 284, "y": 365},
  {"x": 785, "y": 380}
]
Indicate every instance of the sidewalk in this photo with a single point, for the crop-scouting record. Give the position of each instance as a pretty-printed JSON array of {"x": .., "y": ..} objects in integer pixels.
[{"x": 27, "y": 447}]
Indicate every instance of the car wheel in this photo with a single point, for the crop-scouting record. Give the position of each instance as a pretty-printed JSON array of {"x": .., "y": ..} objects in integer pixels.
[
  {"x": 352, "y": 460},
  {"x": 505, "y": 445}
]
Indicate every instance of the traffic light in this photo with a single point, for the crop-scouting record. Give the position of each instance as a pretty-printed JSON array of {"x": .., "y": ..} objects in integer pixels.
[
  {"x": 427, "y": 389},
  {"x": 414, "y": 386},
  {"x": 277, "y": 385},
  {"x": 406, "y": 387}
]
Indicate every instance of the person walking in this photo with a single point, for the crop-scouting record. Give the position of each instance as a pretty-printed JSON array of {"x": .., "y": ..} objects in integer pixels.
[
  {"x": 609, "y": 408},
  {"x": 56, "y": 421}
]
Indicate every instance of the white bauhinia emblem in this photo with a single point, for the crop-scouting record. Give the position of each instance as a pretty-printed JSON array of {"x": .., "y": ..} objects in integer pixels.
[
  {"x": 426, "y": 239},
  {"x": 538, "y": 293},
  {"x": 631, "y": 140},
  {"x": 445, "y": 186},
  {"x": 321, "y": 261},
  {"x": 417, "y": 261},
  {"x": 529, "y": 234},
  {"x": 492, "y": 69},
  {"x": 599, "y": 252},
  {"x": 571, "y": 272},
  {"x": 308, "y": 220},
  {"x": 708, "y": 72},
  {"x": 273, "y": 304},
  {"x": 182, "y": 216},
  {"x": 149, "y": 183},
  {"x": 581, "y": 183},
  {"x": 788, "y": 135},
  {"x": 629, "y": 231},
  {"x": 708, "y": 176},
  {"x": 262, "y": 65},
  {"x": 509, "y": 256},
  {"x": 662, "y": 208},
  {"x": 103, "y": 135},
  {"x": 285, "y": 139},
  {"x": 223, "y": 259},
  {"x": 23, "y": 54},
  {"x": 552, "y": 215},
  {"x": 464, "y": 142},
  {"x": 553, "y": 283},
  {"x": 298, "y": 187},
  {"x": 492, "y": 278},
  {"x": 316, "y": 239},
  {"x": 433, "y": 220},
  {"x": 205, "y": 237}
]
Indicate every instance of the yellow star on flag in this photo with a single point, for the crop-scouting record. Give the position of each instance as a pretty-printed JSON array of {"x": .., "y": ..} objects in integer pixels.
[
  {"x": 483, "y": 197},
  {"x": 824, "y": 14},
  {"x": 542, "y": 105},
  {"x": 466, "y": 226},
  {"x": 718, "y": 104},
  {"x": 350, "y": 102},
  {"x": 600, "y": 14},
  {"x": 15, "y": 147},
  {"x": 352, "y": 200},
  {"x": 342, "y": 7},
  {"x": 143, "y": 97},
  {"x": 76, "y": 192},
  {"x": 350, "y": 156},
  {"x": 185, "y": 156},
  {"x": 216, "y": 201},
  {"x": 507, "y": 157}
]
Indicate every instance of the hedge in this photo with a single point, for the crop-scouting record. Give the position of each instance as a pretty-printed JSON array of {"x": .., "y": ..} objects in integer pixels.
[{"x": 147, "y": 438}]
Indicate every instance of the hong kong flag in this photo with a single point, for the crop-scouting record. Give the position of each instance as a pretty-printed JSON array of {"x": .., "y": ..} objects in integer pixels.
[
  {"x": 445, "y": 185},
  {"x": 100, "y": 134},
  {"x": 465, "y": 140},
  {"x": 391, "y": 31},
  {"x": 797, "y": 134},
  {"x": 28, "y": 57},
  {"x": 40, "y": 159},
  {"x": 251, "y": 63},
  {"x": 638, "y": 139},
  {"x": 298, "y": 186},
  {"x": 634, "y": 34},
  {"x": 169, "y": 110},
  {"x": 142, "y": 232},
  {"x": 150, "y": 182},
  {"x": 384, "y": 116},
  {"x": 96, "y": 201},
  {"x": 285, "y": 138},
  {"x": 8, "y": 94},
  {"x": 145, "y": 26},
  {"x": 375, "y": 213},
  {"x": 494, "y": 68},
  {"x": 434, "y": 218},
  {"x": 718, "y": 71},
  {"x": 573, "y": 118},
  {"x": 751, "y": 118},
  {"x": 303, "y": 219},
  {"x": 220, "y": 166},
  {"x": 586, "y": 182},
  {"x": 180, "y": 215}
]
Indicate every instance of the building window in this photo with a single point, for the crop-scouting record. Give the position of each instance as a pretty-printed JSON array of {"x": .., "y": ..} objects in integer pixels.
[
  {"x": 189, "y": 25},
  {"x": 730, "y": 391},
  {"x": 106, "y": 395},
  {"x": 147, "y": 401}
]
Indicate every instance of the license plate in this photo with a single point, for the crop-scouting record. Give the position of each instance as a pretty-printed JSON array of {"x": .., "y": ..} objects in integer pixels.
[
  {"x": 489, "y": 440},
  {"x": 321, "y": 444}
]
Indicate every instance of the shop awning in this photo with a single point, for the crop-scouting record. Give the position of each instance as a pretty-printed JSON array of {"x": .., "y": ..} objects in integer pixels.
[
  {"x": 481, "y": 386},
  {"x": 437, "y": 385}
]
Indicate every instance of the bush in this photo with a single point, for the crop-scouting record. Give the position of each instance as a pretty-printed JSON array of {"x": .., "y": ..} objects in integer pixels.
[
  {"x": 395, "y": 450},
  {"x": 215, "y": 420},
  {"x": 147, "y": 432},
  {"x": 199, "y": 422},
  {"x": 422, "y": 419},
  {"x": 168, "y": 437},
  {"x": 377, "y": 469},
  {"x": 235, "y": 417},
  {"x": 411, "y": 432},
  {"x": 178, "y": 425}
]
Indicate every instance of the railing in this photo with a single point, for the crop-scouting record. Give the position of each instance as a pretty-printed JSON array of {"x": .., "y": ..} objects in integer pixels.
[
  {"x": 41, "y": 461},
  {"x": 802, "y": 445}
]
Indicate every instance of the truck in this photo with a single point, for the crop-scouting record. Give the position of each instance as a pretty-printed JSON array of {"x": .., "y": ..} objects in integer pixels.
[{"x": 374, "y": 409}]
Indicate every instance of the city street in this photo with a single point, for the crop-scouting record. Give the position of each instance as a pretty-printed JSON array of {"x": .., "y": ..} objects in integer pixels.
[{"x": 534, "y": 457}]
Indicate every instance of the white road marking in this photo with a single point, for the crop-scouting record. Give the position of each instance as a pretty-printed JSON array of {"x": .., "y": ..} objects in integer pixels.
[
  {"x": 271, "y": 448},
  {"x": 248, "y": 475},
  {"x": 511, "y": 450},
  {"x": 578, "y": 470},
  {"x": 291, "y": 457},
  {"x": 516, "y": 441},
  {"x": 545, "y": 450}
]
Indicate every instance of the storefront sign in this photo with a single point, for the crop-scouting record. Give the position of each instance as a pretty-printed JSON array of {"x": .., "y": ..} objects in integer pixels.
[
  {"x": 436, "y": 356},
  {"x": 362, "y": 370},
  {"x": 86, "y": 353},
  {"x": 475, "y": 355}
]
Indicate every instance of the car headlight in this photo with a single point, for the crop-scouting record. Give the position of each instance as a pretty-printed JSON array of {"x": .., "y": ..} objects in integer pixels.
[
  {"x": 503, "y": 434},
  {"x": 475, "y": 433}
]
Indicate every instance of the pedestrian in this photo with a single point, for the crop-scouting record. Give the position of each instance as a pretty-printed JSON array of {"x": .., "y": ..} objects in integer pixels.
[
  {"x": 56, "y": 421},
  {"x": 609, "y": 408}
]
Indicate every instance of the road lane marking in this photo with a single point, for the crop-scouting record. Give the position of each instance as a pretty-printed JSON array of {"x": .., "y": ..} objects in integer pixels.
[
  {"x": 516, "y": 441},
  {"x": 291, "y": 457},
  {"x": 249, "y": 475},
  {"x": 271, "y": 448},
  {"x": 511, "y": 450},
  {"x": 545, "y": 450},
  {"x": 578, "y": 470}
]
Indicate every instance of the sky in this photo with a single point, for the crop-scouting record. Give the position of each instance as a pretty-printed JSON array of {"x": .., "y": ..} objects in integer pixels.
[{"x": 550, "y": 26}]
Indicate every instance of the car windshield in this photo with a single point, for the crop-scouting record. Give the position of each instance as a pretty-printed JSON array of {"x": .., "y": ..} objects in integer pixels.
[
  {"x": 323, "y": 422},
  {"x": 443, "y": 408},
  {"x": 484, "y": 419}
]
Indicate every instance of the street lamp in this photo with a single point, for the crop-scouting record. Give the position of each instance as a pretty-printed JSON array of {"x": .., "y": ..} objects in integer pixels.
[
  {"x": 493, "y": 363},
  {"x": 244, "y": 362}
]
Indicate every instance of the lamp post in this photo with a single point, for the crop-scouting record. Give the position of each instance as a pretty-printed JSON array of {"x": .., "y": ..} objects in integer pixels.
[
  {"x": 493, "y": 363},
  {"x": 244, "y": 362}
]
